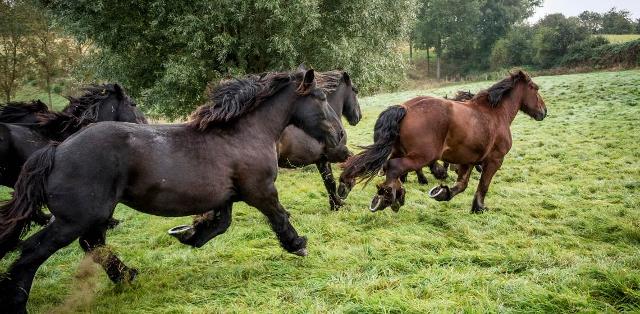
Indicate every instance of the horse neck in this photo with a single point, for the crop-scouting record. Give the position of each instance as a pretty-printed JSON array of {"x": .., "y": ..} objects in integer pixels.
[
  {"x": 335, "y": 100},
  {"x": 510, "y": 106},
  {"x": 271, "y": 117}
]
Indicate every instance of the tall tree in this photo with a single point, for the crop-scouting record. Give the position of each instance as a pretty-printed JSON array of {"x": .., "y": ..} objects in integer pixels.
[
  {"x": 47, "y": 49},
  {"x": 592, "y": 21},
  {"x": 617, "y": 22},
  {"x": 14, "y": 36},
  {"x": 165, "y": 51}
]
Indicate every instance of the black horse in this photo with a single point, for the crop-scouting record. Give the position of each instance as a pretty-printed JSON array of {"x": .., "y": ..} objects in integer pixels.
[
  {"x": 226, "y": 154},
  {"x": 31, "y": 126},
  {"x": 298, "y": 149}
]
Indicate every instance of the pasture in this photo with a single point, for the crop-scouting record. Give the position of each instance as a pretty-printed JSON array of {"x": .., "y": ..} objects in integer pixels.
[
  {"x": 562, "y": 232},
  {"x": 623, "y": 38}
]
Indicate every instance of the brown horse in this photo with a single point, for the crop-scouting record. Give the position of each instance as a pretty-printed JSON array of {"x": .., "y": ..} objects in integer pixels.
[{"x": 426, "y": 129}]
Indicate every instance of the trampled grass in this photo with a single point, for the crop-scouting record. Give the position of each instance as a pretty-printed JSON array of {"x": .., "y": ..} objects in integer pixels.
[{"x": 562, "y": 232}]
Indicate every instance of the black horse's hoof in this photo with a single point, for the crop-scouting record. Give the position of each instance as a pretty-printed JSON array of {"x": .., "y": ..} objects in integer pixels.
[
  {"x": 183, "y": 233},
  {"x": 301, "y": 252},
  {"x": 343, "y": 191},
  {"x": 112, "y": 223},
  {"x": 126, "y": 276},
  {"x": 335, "y": 203},
  {"x": 440, "y": 193},
  {"x": 377, "y": 203}
]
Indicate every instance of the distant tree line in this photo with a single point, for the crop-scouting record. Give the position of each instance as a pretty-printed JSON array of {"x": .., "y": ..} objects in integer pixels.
[{"x": 471, "y": 36}]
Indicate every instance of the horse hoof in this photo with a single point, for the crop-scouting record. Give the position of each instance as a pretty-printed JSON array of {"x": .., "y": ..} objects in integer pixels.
[
  {"x": 375, "y": 203},
  {"x": 301, "y": 252},
  {"x": 182, "y": 232},
  {"x": 440, "y": 193}
]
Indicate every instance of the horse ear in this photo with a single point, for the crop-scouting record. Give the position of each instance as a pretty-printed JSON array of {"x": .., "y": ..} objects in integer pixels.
[
  {"x": 302, "y": 67},
  {"x": 346, "y": 78},
  {"x": 119, "y": 90},
  {"x": 309, "y": 79}
]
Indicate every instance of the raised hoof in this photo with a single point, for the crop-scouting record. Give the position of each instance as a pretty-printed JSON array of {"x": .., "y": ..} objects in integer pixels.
[
  {"x": 377, "y": 203},
  {"x": 440, "y": 193},
  {"x": 183, "y": 233},
  {"x": 301, "y": 252}
]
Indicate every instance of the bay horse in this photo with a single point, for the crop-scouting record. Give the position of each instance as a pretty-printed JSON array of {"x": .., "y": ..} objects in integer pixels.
[
  {"x": 298, "y": 149},
  {"x": 426, "y": 129},
  {"x": 29, "y": 127},
  {"x": 225, "y": 154}
]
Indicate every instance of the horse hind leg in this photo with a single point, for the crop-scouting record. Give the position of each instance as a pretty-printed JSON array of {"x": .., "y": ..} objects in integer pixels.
[
  {"x": 15, "y": 286},
  {"x": 330, "y": 184},
  {"x": 205, "y": 227},
  {"x": 93, "y": 243},
  {"x": 390, "y": 192},
  {"x": 444, "y": 193}
]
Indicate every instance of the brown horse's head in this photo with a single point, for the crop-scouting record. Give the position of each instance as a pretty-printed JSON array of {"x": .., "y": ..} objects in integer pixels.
[{"x": 532, "y": 103}]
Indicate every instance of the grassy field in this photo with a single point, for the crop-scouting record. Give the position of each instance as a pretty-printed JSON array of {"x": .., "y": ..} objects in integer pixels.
[
  {"x": 562, "y": 232},
  {"x": 614, "y": 39},
  {"x": 28, "y": 93}
]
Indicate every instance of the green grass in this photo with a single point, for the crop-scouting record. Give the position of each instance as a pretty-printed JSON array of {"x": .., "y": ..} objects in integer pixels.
[
  {"x": 562, "y": 232},
  {"x": 615, "y": 39}
]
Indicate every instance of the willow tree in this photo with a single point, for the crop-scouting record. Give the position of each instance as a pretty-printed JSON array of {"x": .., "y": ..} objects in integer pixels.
[{"x": 166, "y": 51}]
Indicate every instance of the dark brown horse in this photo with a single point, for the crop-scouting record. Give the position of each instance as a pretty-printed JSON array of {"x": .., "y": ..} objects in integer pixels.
[
  {"x": 426, "y": 129},
  {"x": 226, "y": 154},
  {"x": 297, "y": 149},
  {"x": 31, "y": 126}
]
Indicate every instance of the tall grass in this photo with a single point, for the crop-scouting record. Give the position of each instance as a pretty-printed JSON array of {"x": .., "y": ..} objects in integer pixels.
[{"x": 562, "y": 233}]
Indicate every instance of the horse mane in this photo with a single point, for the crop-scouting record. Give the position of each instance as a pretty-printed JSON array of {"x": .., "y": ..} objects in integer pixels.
[
  {"x": 234, "y": 98},
  {"x": 462, "y": 96},
  {"x": 58, "y": 125},
  {"x": 14, "y": 111},
  {"x": 494, "y": 94},
  {"x": 87, "y": 106},
  {"x": 329, "y": 81}
]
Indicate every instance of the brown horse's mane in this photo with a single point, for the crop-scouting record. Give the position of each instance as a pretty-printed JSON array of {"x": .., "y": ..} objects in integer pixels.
[
  {"x": 13, "y": 111},
  {"x": 494, "y": 94},
  {"x": 234, "y": 98},
  {"x": 87, "y": 106}
]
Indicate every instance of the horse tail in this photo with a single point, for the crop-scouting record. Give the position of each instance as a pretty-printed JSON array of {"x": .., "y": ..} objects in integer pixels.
[
  {"x": 29, "y": 196},
  {"x": 367, "y": 163}
]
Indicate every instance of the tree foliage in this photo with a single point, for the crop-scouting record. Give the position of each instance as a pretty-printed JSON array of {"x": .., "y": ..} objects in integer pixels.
[
  {"x": 611, "y": 22},
  {"x": 14, "y": 37},
  {"x": 166, "y": 51}
]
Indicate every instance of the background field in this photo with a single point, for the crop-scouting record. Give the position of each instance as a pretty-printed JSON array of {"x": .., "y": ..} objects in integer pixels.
[
  {"x": 621, "y": 38},
  {"x": 562, "y": 233}
]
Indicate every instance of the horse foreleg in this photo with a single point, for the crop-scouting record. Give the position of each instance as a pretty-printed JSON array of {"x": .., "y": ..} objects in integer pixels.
[
  {"x": 438, "y": 171},
  {"x": 330, "y": 184},
  {"x": 444, "y": 193},
  {"x": 266, "y": 200},
  {"x": 15, "y": 286},
  {"x": 93, "y": 243},
  {"x": 489, "y": 169},
  {"x": 421, "y": 177},
  {"x": 205, "y": 227}
]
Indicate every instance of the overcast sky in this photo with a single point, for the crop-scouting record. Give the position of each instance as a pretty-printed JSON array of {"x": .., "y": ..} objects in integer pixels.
[{"x": 575, "y": 7}]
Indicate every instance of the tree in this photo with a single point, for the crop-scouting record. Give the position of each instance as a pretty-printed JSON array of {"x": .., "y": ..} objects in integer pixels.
[
  {"x": 555, "y": 33},
  {"x": 516, "y": 49},
  {"x": 166, "y": 51},
  {"x": 617, "y": 22},
  {"x": 14, "y": 33},
  {"x": 592, "y": 21}
]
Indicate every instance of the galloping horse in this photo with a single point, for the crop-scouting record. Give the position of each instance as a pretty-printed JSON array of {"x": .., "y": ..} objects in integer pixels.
[
  {"x": 225, "y": 154},
  {"x": 426, "y": 129},
  {"x": 32, "y": 126},
  {"x": 297, "y": 149}
]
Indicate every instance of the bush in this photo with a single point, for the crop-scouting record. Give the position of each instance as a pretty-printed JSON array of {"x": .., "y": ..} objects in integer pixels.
[
  {"x": 515, "y": 49},
  {"x": 589, "y": 53},
  {"x": 582, "y": 50}
]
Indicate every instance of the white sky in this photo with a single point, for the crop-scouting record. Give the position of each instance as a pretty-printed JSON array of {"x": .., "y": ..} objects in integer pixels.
[{"x": 575, "y": 7}]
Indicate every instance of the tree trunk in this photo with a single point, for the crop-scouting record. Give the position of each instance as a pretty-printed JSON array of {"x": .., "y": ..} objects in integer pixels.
[
  {"x": 410, "y": 50},
  {"x": 438, "y": 66},
  {"x": 49, "y": 91},
  {"x": 428, "y": 61}
]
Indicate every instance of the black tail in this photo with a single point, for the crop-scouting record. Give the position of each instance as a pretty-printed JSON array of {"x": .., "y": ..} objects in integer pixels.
[
  {"x": 367, "y": 163},
  {"x": 29, "y": 197}
]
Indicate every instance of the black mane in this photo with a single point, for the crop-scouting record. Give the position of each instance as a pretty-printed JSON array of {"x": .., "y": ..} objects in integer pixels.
[
  {"x": 329, "y": 81},
  {"x": 87, "y": 106},
  {"x": 14, "y": 111},
  {"x": 235, "y": 98},
  {"x": 495, "y": 93}
]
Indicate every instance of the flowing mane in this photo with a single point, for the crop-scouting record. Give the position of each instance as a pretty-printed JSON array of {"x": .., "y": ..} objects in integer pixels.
[
  {"x": 14, "y": 111},
  {"x": 494, "y": 94},
  {"x": 235, "y": 98},
  {"x": 58, "y": 125},
  {"x": 330, "y": 81},
  {"x": 87, "y": 106}
]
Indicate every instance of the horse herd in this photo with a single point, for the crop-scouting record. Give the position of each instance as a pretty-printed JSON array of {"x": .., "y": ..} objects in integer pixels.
[{"x": 228, "y": 152}]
